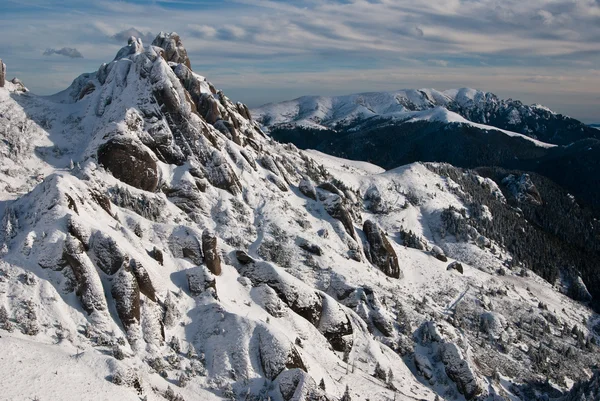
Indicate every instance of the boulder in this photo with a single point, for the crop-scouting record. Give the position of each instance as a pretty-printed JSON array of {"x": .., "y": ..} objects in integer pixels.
[
  {"x": 173, "y": 48},
  {"x": 423, "y": 366},
  {"x": 379, "y": 250},
  {"x": 129, "y": 162},
  {"x": 211, "y": 253},
  {"x": 308, "y": 189},
  {"x": 297, "y": 385},
  {"x": 456, "y": 266},
  {"x": 243, "y": 257},
  {"x": 439, "y": 253},
  {"x": 2, "y": 73},
  {"x": 310, "y": 247}
]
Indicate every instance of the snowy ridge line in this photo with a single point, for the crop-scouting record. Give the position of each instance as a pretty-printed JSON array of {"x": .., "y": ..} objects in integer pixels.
[{"x": 185, "y": 255}]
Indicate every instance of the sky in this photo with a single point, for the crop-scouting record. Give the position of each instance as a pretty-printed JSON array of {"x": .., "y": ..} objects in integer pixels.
[{"x": 260, "y": 51}]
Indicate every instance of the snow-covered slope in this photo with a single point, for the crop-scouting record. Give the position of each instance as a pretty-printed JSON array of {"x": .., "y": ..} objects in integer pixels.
[
  {"x": 156, "y": 244},
  {"x": 458, "y": 106}
]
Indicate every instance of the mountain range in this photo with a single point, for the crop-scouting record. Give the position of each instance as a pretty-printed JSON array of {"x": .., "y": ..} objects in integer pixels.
[
  {"x": 464, "y": 127},
  {"x": 156, "y": 243}
]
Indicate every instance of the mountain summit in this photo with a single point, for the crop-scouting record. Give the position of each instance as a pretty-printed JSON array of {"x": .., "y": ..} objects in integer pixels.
[{"x": 156, "y": 244}]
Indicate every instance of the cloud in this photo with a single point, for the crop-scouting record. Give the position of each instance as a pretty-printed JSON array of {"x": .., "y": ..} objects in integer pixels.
[
  {"x": 307, "y": 39},
  {"x": 124, "y": 35},
  {"x": 439, "y": 63},
  {"x": 65, "y": 51}
]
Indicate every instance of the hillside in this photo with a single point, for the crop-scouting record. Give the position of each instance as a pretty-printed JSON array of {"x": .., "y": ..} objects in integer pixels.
[{"x": 156, "y": 244}]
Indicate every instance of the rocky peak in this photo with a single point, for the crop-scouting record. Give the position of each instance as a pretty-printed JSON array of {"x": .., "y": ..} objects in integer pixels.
[{"x": 171, "y": 43}]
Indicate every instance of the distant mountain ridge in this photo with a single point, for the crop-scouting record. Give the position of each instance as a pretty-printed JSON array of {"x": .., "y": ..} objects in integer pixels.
[
  {"x": 463, "y": 105},
  {"x": 465, "y": 127}
]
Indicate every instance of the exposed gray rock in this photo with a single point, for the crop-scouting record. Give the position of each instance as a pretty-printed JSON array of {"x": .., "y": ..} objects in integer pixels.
[
  {"x": 129, "y": 162},
  {"x": 126, "y": 293},
  {"x": 173, "y": 48},
  {"x": 107, "y": 254},
  {"x": 297, "y": 385},
  {"x": 243, "y": 257},
  {"x": 423, "y": 366},
  {"x": 310, "y": 247},
  {"x": 184, "y": 244},
  {"x": 459, "y": 371},
  {"x": 379, "y": 250},
  {"x": 143, "y": 279},
  {"x": 211, "y": 253},
  {"x": 88, "y": 285},
  {"x": 456, "y": 266},
  {"x": 335, "y": 207},
  {"x": 308, "y": 189}
]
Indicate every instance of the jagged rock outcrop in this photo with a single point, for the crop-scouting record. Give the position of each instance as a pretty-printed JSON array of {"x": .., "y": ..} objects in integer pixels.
[
  {"x": 243, "y": 257},
  {"x": 211, "y": 252},
  {"x": 184, "y": 244},
  {"x": 88, "y": 286},
  {"x": 126, "y": 293},
  {"x": 130, "y": 163},
  {"x": 2, "y": 73},
  {"x": 173, "y": 48},
  {"x": 107, "y": 254},
  {"x": 459, "y": 371},
  {"x": 334, "y": 205},
  {"x": 379, "y": 250},
  {"x": 200, "y": 280},
  {"x": 143, "y": 279}
]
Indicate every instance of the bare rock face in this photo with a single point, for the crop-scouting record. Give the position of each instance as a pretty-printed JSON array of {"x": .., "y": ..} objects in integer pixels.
[
  {"x": 88, "y": 284},
  {"x": 173, "y": 47},
  {"x": 2, "y": 73},
  {"x": 380, "y": 251},
  {"x": 578, "y": 291},
  {"x": 106, "y": 253},
  {"x": 335, "y": 207},
  {"x": 126, "y": 293},
  {"x": 130, "y": 163},
  {"x": 143, "y": 279},
  {"x": 211, "y": 253},
  {"x": 459, "y": 371}
]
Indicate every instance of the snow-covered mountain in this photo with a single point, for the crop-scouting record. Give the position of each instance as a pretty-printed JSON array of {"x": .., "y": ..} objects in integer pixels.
[
  {"x": 464, "y": 127},
  {"x": 458, "y": 106},
  {"x": 156, "y": 244}
]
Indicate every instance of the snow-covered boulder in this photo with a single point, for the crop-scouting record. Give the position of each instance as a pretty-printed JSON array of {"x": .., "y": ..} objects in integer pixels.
[
  {"x": 126, "y": 293},
  {"x": 439, "y": 253},
  {"x": 307, "y": 189},
  {"x": 456, "y": 266},
  {"x": 578, "y": 291}
]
